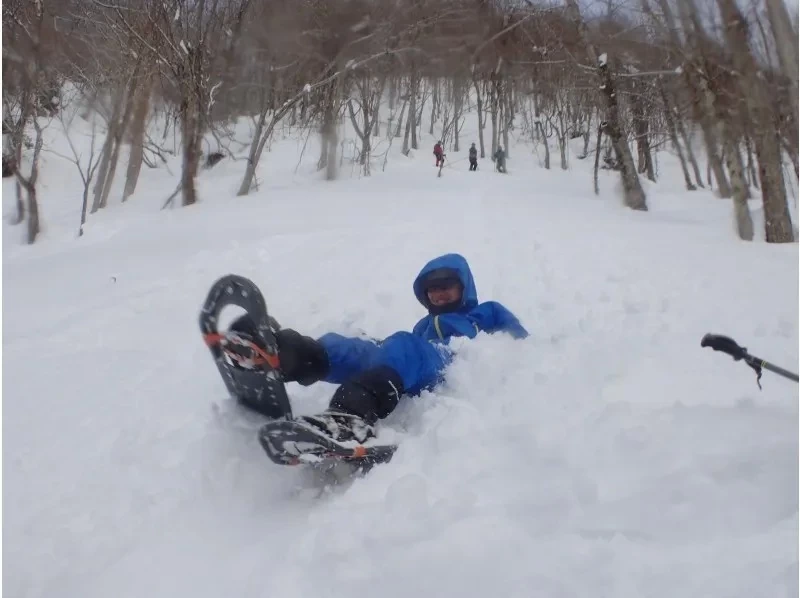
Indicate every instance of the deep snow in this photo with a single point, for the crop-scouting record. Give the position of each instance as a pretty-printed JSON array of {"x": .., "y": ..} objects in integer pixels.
[{"x": 607, "y": 455}]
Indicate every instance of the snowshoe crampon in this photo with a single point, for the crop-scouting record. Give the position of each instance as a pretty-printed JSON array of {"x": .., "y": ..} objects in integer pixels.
[
  {"x": 293, "y": 442},
  {"x": 247, "y": 360}
]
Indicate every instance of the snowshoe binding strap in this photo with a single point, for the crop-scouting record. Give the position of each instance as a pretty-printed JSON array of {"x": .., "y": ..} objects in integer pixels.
[{"x": 240, "y": 350}]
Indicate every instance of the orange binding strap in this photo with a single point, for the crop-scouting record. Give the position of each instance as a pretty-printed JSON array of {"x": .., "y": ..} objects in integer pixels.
[{"x": 262, "y": 357}]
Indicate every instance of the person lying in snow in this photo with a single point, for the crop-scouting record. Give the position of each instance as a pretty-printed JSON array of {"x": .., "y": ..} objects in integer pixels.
[{"x": 374, "y": 375}]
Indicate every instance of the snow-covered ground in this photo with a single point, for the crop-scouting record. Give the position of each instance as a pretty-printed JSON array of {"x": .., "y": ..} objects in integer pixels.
[{"x": 606, "y": 456}]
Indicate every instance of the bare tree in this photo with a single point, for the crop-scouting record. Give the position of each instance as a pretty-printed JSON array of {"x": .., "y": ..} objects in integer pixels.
[
  {"x": 558, "y": 102},
  {"x": 116, "y": 125},
  {"x": 86, "y": 167},
  {"x": 673, "y": 136},
  {"x": 787, "y": 46},
  {"x": 697, "y": 83},
  {"x": 704, "y": 86},
  {"x": 777, "y": 220},
  {"x": 744, "y": 223},
  {"x": 141, "y": 108},
  {"x": 201, "y": 67},
  {"x": 29, "y": 72},
  {"x": 641, "y": 109},
  {"x": 459, "y": 95},
  {"x": 479, "y": 105},
  {"x": 187, "y": 37},
  {"x": 370, "y": 90},
  {"x": 634, "y": 196}
]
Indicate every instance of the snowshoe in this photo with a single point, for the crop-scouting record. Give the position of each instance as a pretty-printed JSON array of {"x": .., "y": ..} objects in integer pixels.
[
  {"x": 328, "y": 437},
  {"x": 247, "y": 360},
  {"x": 340, "y": 426}
]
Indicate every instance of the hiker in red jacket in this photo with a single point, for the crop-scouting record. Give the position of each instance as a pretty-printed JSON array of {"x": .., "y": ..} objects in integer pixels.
[{"x": 439, "y": 153}]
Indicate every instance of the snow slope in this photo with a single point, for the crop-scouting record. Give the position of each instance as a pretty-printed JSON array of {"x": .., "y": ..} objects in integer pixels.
[{"x": 607, "y": 455}]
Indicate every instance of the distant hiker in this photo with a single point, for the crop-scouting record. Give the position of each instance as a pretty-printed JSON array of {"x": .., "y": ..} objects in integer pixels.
[
  {"x": 473, "y": 157},
  {"x": 438, "y": 151},
  {"x": 500, "y": 159}
]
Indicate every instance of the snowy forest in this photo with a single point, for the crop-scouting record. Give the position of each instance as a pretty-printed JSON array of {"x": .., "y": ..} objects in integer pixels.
[{"x": 625, "y": 77}]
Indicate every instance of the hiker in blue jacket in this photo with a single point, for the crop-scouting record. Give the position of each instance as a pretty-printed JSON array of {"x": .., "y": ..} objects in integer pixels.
[{"x": 372, "y": 374}]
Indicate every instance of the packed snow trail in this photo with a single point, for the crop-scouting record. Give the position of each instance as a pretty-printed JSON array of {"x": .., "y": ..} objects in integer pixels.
[{"x": 607, "y": 455}]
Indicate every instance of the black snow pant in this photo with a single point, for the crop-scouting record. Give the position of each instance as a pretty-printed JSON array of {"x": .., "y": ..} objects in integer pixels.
[{"x": 473, "y": 163}]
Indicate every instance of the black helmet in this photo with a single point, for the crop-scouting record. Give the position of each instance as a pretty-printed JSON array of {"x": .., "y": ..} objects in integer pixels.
[{"x": 441, "y": 277}]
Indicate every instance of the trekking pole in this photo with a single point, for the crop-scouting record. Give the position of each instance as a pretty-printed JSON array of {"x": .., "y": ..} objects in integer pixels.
[{"x": 732, "y": 348}]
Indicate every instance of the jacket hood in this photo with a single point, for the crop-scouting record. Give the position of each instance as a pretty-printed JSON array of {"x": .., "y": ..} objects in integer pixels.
[{"x": 457, "y": 263}]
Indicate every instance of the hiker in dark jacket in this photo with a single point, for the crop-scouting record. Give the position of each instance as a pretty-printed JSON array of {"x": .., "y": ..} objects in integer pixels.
[
  {"x": 500, "y": 159},
  {"x": 473, "y": 157}
]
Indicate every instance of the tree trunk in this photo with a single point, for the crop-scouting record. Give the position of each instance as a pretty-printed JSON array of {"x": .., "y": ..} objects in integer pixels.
[
  {"x": 540, "y": 127},
  {"x": 642, "y": 128},
  {"x": 410, "y": 138},
  {"x": 508, "y": 117},
  {"x": 34, "y": 226},
  {"x": 777, "y": 220},
  {"x": 494, "y": 103},
  {"x": 712, "y": 141},
  {"x": 194, "y": 113},
  {"x": 330, "y": 139},
  {"x": 458, "y": 107},
  {"x": 702, "y": 110},
  {"x": 435, "y": 100},
  {"x": 190, "y": 138},
  {"x": 407, "y": 136},
  {"x": 671, "y": 130},
  {"x": 787, "y": 46},
  {"x": 744, "y": 223},
  {"x": 17, "y": 139},
  {"x": 392, "y": 95},
  {"x": 108, "y": 147},
  {"x": 262, "y": 135},
  {"x": 479, "y": 102},
  {"x": 698, "y": 176},
  {"x": 369, "y": 101},
  {"x": 254, "y": 154},
  {"x": 20, "y": 215},
  {"x": 704, "y": 98},
  {"x": 587, "y": 135},
  {"x": 400, "y": 118},
  {"x": 412, "y": 114},
  {"x": 117, "y": 143},
  {"x": 597, "y": 158},
  {"x": 359, "y": 131},
  {"x": 752, "y": 173},
  {"x": 138, "y": 123},
  {"x": 633, "y": 194},
  {"x": 29, "y": 184}
]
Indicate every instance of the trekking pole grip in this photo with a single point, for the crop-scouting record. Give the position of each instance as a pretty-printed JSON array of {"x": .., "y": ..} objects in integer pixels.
[{"x": 725, "y": 344}]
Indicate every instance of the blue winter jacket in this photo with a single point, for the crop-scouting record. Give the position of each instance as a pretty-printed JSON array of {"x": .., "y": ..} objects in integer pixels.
[
  {"x": 471, "y": 317},
  {"x": 420, "y": 357}
]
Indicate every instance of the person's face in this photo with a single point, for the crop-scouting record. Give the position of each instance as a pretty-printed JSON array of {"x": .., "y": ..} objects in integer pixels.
[{"x": 442, "y": 294}]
